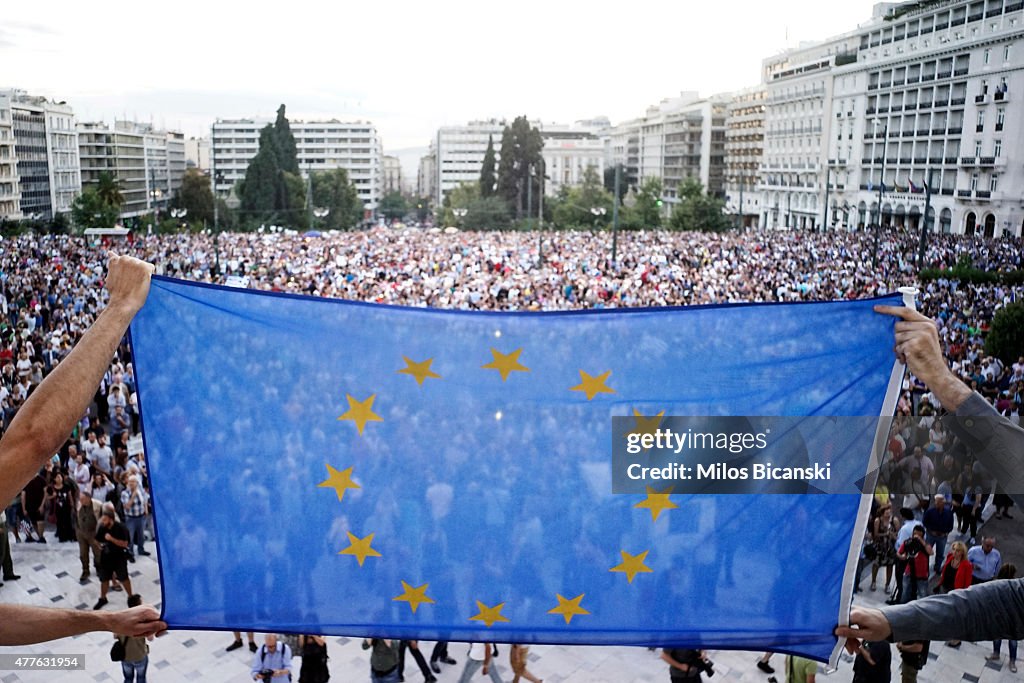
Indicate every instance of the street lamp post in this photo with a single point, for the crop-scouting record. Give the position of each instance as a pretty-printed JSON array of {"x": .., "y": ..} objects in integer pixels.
[
  {"x": 460, "y": 213},
  {"x": 597, "y": 211},
  {"x": 881, "y": 188},
  {"x": 179, "y": 213}
]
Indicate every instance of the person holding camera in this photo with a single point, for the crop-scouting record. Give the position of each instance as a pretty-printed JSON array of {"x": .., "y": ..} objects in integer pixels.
[
  {"x": 272, "y": 662},
  {"x": 915, "y": 552},
  {"x": 114, "y": 541},
  {"x": 687, "y": 665}
]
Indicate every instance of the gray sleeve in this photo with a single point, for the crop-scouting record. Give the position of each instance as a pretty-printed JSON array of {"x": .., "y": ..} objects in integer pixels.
[
  {"x": 994, "y": 440},
  {"x": 989, "y": 611}
]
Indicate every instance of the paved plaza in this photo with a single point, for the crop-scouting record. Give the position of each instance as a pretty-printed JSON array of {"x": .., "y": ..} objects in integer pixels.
[{"x": 50, "y": 577}]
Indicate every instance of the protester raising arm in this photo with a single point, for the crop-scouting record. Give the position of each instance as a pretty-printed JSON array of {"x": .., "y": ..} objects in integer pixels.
[{"x": 48, "y": 416}]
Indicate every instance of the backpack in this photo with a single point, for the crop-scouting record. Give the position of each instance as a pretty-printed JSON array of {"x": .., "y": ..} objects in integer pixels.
[{"x": 285, "y": 656}]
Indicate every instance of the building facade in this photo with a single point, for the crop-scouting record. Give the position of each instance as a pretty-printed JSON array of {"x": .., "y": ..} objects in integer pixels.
[
  {"x": 426, "y": 176},
  {"x": 459, "y": 154},
  {"x": 798, "y": 125},
  {"x": 321, "y": 146},
  {"x": 45, "y": 153},
  {"x": 744, "y": 146},
  {"x": 677, "y": 139},
  {"x": 147, "y": 164},
  {"x": 937, "y": 96},
  {"x": 391, "y": 170},
  {"x": 197, "y": 153},
  {"x": 569, "y": 150},
  {"x": 10, "y": 185}
]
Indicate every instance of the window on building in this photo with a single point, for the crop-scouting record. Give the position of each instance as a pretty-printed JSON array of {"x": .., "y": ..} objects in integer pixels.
[
  {"x": 997, "y": 148},
  {"x": 977, "y": 148},
  {"x": 1006, "y": 53},
  {"x": 994, "y": 183},
  {"x": 1000, "y": 117},
  {"x": 981, "y": 119},
  {"x": 974, "y": 182},
  {"x": 987, "y": 56}
]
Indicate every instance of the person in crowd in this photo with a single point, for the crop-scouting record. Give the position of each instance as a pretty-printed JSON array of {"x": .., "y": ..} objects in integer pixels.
[
  {"x": 88, "y": 516},
  {"x": 938, "y": 523},
  {"x": 114, "y": 543},
  {"x": 1006, "y": 572},
  {"x": 134, "y": 503},
  {"x": 136, "y": 651},
  {"x": 383, "y": 659},
  {"x": 61, "y": 500},
  {"x": 684, "y": 664},
  {"x": 413, "y": 646},
  {"x": 517, "y": 659},
  {"x": 884, "y": 539},
  {"x": 314, "y": 659},
  {"x": 237, "y": 642},
  {"x": 873, "y": 663},
  {"x": 272, "y": 661},
  {"x": 985, "y": 559},
  {"x": 6, "y": 560}
]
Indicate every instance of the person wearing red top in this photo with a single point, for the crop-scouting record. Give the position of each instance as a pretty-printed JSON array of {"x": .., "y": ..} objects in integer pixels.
[
  {"x": 915, "y": 551},
  {"x": 956, "y": 573}
]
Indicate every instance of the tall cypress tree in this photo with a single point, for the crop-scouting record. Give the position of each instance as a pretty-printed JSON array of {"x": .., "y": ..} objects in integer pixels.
[
  {"x": 487, "y": 180},
  {"x": 260, "y": 190},
  {"x": 288, "y": 158},
  {"x": 521, "y": 147}
]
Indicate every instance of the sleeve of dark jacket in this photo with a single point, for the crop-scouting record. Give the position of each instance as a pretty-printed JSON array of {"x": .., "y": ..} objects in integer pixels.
[
  {"x": 990, "y": 611},
  {"x": 996, "y": 441}
]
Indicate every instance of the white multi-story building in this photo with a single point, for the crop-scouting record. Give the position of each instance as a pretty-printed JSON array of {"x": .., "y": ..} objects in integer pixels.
[
  {"x": 569, "y": 150},
  {"x": 936, "y": 96},
  {"x": 320, "y": 145},
  {"x": 426, "y": 176},
  {"x": 798, "y": 124},
  {"x": 197, "y": 153},
  {"x": 679, "y": 138},
  {"x": 744, "y": 146},
  {"x": 10, "y": 186},
  {"x": 147, "y": 164},
  {"x": 391, "y": 168},
  {"x": 46, "y": 153},
  {"x": 459, "y": 154}
]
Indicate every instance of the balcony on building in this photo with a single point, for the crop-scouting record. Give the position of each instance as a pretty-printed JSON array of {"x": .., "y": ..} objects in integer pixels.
[
  {"x": 967, "y": 161},
  {"x": 987, "y": 161},
  {"x": 982, "y": 194},
  {"x": 966, "y": 194}
]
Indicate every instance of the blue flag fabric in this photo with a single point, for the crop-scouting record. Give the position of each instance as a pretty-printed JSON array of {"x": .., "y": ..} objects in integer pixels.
[{"x": 321, "y": 466}]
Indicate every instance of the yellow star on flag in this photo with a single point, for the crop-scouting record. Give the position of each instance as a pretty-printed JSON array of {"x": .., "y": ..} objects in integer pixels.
[
  {"x": 414, "y": 596},
  {"x": 489, "y": 615},
  {"x": 360, "y": 547},
  {"x": 339, "y": 481},
  {"x": 568, "y": 608},
  {"x": 644, "y": 424},
  {"x": 506, "y": 363},
  {"x": 632, "y": 565},
  {"x": 657, "y": 502},
  {"x": 593, "y": 386},
  {"x": 421, "y": 371},
  {"x": 361, "y": 412}
]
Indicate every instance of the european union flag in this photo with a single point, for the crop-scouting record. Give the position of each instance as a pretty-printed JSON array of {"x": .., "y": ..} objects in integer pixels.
[{"x": 338, "y": 467}]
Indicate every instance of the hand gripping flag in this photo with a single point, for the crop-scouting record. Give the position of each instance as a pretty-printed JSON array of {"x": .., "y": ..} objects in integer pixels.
[{"x": 356, "y": 469}]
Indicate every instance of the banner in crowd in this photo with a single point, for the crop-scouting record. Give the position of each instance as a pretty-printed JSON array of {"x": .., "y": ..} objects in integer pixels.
[{"x": 322, "y": 466}]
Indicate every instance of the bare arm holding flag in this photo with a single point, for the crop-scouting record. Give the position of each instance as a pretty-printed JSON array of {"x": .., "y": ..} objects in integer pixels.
[{"x": 39, "y": 430}]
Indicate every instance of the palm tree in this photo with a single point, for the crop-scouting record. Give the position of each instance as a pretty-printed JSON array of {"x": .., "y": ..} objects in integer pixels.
[{"x": 109, "y": 191}]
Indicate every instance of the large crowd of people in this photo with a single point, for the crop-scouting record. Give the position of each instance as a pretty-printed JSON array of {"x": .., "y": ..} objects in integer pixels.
[{"x": 95, "y": 490}]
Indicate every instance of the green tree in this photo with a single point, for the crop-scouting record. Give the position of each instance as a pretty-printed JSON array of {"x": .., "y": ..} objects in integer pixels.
[
  {"x": 460, "y": 197},
  {"x": 332, "y": 190},
  {"x": 1005, "y": 339},
  {"x": 196, "y": 197},
  {"x": 394, "y": 206},
  {"x": 288, "y": 158},
  {"x": 521, "y": 147},
  {"x": 422, "y": 208},
  {"x": 109, "y": 190},
  {"x": 574, "y": 207},
  {"x": 646, "y": 213},
  {"x": 487, "y": 179},
  {"x": 90, "y": 210},
  {"x": 262, "y": 188},
  {"x": 698, "y": 210},
  {"x": 487, "y": 213}
]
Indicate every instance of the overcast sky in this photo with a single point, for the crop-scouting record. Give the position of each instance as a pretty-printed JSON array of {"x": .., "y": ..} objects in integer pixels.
[{"x": 408, "y": 66}]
